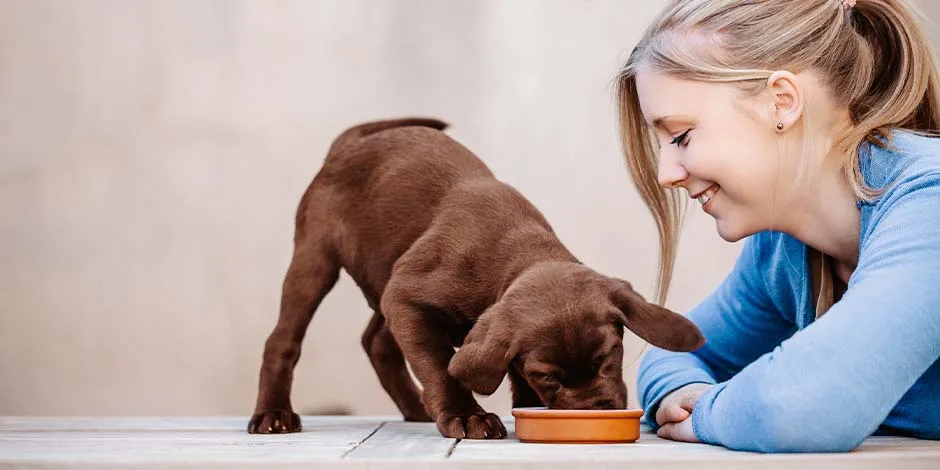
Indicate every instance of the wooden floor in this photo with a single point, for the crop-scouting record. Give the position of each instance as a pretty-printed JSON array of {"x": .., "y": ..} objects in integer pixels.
[{"x": 374, "y": 442}]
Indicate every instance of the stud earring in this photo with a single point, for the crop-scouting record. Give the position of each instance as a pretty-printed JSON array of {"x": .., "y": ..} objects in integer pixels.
[{"x": 779, "y": 126}]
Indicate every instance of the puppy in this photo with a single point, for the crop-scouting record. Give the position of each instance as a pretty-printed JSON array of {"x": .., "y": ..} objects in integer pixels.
[{"x": 449, "y": 257}]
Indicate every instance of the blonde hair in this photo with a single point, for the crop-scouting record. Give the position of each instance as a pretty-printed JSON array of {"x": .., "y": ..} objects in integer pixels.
[{"x": 873, "y": 58}]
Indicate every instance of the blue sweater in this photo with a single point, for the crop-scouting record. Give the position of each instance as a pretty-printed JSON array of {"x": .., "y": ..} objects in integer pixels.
[{"x": 787, "y": 382}]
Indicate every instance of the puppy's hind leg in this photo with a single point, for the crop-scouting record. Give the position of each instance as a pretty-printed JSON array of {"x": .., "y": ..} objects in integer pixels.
[
  {"x": 313, "y": 271},
  {"x": 390, "y": 367}
]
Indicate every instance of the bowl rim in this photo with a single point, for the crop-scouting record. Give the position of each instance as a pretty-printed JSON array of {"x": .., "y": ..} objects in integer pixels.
[{"x": 543, "y": 413}]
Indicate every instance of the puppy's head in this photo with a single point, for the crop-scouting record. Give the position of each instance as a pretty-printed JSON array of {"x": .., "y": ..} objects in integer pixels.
[{"x": 561, "y": 327}]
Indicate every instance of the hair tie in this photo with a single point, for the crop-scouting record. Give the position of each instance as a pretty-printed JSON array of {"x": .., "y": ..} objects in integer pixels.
[{"x": 848, "y": 4}]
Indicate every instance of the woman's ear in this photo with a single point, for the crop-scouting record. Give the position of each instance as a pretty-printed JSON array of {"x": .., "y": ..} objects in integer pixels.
[
  {"x": 483, "y": 360},
  {"x": 786, "y": 93}
]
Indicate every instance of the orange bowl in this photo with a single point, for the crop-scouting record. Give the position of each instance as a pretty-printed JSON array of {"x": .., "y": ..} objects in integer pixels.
[{"x": 577, "y": 426}]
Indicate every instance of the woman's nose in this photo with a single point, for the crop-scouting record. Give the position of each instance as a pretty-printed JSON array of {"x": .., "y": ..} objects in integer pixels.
[{"x": 671, "y": 173}]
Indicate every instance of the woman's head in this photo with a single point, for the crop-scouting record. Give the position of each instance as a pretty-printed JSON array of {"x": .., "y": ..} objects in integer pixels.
[
  {"x": 729, "y": 148},
  {"x": 749, "y": 97}
]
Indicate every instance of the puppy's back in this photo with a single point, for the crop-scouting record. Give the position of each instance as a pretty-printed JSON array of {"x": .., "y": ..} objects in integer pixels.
[
  {"x": 355, "y": 133},
  {"x": 380, "y": 188},
  {"x": 387, "y": 156}
]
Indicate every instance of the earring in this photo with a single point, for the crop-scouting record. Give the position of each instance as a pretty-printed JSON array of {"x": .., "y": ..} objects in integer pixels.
[{"x": 779, "y": 126}]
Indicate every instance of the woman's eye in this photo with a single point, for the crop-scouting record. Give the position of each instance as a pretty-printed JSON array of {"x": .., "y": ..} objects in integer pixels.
[{"x": 681, "y": 139}]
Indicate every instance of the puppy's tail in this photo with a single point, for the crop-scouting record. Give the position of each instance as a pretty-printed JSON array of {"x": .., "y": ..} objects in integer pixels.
[{"x": 357, "y": 132}]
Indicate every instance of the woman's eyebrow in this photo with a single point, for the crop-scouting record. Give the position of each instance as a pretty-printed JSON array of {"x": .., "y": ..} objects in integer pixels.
[{"x": 661, "y": 121}]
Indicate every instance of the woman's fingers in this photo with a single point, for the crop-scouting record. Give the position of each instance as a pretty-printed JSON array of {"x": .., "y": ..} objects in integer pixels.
[
  {"x": 665, "y": 431},
  {"x": 671, "y": 413},
  {"x": 687, "y": 402},
  {"x": 681, "y": 431}
]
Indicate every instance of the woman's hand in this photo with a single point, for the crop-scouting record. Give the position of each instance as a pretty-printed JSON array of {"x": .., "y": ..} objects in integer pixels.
[{"x": 675, "y": 412}]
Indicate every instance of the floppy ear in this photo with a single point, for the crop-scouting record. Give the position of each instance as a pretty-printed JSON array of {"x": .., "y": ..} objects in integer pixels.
[
  {"x": 483, "y": 360},
  {"x": 660, "y": 326}
]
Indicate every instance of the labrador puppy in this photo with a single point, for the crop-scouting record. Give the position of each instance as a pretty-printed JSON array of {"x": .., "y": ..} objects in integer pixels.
[{"x": 449, "y": 257}]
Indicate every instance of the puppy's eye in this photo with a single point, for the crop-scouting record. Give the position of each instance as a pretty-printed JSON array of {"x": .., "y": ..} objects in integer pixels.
[
  {"x": 543, "y": 376},
  {"x": 545, "y": 382}
]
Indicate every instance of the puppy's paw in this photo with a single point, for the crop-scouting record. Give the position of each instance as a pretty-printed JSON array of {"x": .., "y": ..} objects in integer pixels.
[
  {"x": 274, "y": 422},
  {"x": 478, "y": 425}
]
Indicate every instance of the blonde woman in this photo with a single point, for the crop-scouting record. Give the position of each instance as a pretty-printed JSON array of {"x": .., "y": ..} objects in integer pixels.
[{"x": 808, "y": 129}]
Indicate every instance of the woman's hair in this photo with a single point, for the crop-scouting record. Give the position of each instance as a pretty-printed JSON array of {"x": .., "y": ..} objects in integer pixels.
[{"x": 874, "y": 58}]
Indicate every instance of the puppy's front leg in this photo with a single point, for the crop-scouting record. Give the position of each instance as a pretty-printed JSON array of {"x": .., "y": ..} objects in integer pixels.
[{"x": 427, "y": 347}]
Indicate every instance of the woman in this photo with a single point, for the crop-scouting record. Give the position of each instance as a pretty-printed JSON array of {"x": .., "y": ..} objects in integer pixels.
[{"x": 807, "y": 128}]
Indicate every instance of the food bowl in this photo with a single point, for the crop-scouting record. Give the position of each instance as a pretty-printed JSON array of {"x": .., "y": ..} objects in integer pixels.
[{"x": 577, "y": 426}]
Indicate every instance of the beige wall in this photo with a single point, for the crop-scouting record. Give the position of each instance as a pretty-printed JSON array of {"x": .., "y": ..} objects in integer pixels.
[
  {"x": 931, "y": 13},
  {"x": 152, "y": 154}
]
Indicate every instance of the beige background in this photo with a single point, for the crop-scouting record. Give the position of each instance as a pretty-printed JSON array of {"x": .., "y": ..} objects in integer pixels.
[{"x": 152, "y": 154}]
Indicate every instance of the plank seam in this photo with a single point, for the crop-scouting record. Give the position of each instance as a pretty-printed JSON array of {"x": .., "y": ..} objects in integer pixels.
[
  {"x": 453, "y": 446},
  {"x": 362, "y": 441}
]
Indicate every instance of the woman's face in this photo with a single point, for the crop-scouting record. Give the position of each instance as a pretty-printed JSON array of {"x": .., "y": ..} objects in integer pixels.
[{"x": 718, "y": 145}]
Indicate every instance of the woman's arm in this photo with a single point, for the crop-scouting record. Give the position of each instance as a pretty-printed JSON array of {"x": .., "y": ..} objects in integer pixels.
[
  {"x": 739, "y": 322},
  {"x": 831, "y": 385}
]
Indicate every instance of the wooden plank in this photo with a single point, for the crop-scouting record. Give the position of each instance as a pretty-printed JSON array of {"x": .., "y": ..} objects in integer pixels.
[
  {"x": 652, "y": 452},
  {"x": 323, "y": 439},
  {"x": 512, "y": 450},
  {"x": 354, "y": 443},
  {"x": 400, "y": 440},
  {"x": 135, "y": 423}
]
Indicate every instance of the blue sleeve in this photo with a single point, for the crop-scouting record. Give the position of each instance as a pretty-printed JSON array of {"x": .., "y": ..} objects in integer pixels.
[
  {"x": 831, "y": 385},
  {"x": 739, "y": 322}
]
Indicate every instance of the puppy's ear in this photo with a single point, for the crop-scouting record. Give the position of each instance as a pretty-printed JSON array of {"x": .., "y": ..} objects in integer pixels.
[
  {"x": 483, "y": 360},
  {"x": 660, "y": 326}
]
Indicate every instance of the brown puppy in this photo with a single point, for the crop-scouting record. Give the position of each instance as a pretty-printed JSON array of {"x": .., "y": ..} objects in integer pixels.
[{"x": 447, "y": 256}]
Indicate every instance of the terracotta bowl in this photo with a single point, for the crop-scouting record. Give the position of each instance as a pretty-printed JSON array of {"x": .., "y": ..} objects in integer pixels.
[{"x": 577, "y": 426}]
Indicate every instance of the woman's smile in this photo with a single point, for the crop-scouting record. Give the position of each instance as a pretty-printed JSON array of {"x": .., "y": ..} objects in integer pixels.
[{"x": 706, "y": 196}]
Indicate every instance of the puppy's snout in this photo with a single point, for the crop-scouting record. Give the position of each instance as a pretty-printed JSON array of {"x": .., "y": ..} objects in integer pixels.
[
  {"x": 605, "y": 404},
  {"x": 613, "y": 398},
  {"x": 601, "y": 396}
]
